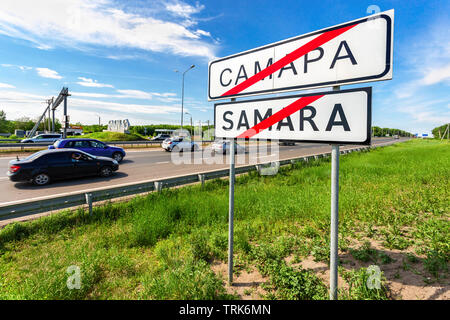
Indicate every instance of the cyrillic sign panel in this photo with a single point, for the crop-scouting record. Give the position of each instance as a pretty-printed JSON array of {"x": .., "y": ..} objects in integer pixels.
[{"x": 353, "y": 52}]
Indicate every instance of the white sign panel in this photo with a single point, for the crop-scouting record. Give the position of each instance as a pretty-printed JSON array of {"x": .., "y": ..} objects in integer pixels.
[
  {"x": 353, "y": 52},
  {"x": 332, "y": 117}
]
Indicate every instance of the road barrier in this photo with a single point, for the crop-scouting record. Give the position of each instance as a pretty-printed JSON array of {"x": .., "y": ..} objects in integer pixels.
[{"x": 28, "y": 207}]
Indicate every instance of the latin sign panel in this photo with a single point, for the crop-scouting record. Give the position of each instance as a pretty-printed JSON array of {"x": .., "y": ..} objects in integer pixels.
[
  {"x": 353, "y": 52},
  {"x": 333, "y": 117}
]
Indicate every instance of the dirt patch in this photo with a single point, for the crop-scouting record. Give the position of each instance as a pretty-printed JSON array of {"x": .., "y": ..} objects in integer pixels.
[
  {"x": 405, "y": 279},
  {"x": 246, "y": 283},
  {"x": 321, "y": 269}
]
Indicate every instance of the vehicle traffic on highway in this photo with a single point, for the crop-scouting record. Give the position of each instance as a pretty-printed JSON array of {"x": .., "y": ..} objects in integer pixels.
[
  {"x": 44, "y": 166},
  {"x": 223, "y": 146},
  {"x": 160, "y": 137},
  {"x": 179, "y": 144},
  {"x": 43, "y": 138},
  {"x": 91, "y": 146}
]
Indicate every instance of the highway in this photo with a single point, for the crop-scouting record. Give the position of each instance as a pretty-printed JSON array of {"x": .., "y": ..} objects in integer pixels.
[{"x": 141, "y": 165}]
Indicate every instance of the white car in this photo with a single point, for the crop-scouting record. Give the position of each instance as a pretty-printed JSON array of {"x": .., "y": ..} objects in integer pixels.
[
  {"x": 46, "y": 137},
  {"x": 223, "y": 146},
  {"x": 179, "y": 144}
]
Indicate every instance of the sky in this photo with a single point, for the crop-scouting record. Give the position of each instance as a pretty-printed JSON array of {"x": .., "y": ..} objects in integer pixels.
[{"x": 119, "y": 58}]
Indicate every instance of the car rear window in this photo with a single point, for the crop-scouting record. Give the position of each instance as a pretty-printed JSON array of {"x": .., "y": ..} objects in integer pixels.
[{"x": 34, "y": 155}]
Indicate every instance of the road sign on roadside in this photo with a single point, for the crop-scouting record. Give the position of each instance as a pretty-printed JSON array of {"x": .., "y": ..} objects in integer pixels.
[
  {"x": 352, "y": 52},
  {"x": 342, "y": 117}
]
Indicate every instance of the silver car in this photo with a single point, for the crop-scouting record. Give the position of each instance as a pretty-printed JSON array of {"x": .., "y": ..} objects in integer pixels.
[
  {"x": 46, "y": 137},
  {"x": 179, "y": 144},
  {"x": 223, "y": 146}
]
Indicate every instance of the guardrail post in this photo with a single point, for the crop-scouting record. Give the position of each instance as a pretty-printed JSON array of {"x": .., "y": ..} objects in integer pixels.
[
  {"x": 158, "y": 186},
  {"x": 89, "y": 202},
  {"x": 201, "y": 177}
]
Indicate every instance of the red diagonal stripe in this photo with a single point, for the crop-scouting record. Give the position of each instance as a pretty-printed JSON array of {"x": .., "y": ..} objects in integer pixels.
[
  {"x": 280, "y": 115},
  {"x": 294, "y": 55}
]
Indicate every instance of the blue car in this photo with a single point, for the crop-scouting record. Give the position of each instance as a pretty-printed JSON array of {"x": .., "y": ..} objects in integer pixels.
[{"x": 91, "y": 146}]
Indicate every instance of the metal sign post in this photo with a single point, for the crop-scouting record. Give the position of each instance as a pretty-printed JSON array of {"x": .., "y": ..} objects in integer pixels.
[
  {"x": 231, "y": 213},
  {"x": 334, "y": 218}
]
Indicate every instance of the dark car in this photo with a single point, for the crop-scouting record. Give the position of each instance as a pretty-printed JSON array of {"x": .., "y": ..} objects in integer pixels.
[
  {"x": 286, "y": 143},
  {"x": 47, "y": 165},
  {"x": 91, "y": 146}
]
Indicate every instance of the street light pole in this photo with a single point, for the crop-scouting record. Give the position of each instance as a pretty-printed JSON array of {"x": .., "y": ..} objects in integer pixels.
[
  {"x": 182, "y": 93},
  {"x": 191, "y": 123}
]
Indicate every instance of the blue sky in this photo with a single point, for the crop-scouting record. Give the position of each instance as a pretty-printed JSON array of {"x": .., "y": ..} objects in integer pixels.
[{"x": 118, "y": 57}]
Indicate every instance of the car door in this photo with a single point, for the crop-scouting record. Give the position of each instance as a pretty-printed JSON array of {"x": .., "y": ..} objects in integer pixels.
[
  {"x": 58, "y": 165},
  {"x": 82, "y": 145},
  {"x": 83, "y": 164}
]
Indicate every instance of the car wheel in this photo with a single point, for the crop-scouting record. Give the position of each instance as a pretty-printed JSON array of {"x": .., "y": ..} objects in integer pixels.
[
  {"x": 117, "y": 156},
  {"x": 106, "y": 171},
  {"x": 41, "y": 179}
]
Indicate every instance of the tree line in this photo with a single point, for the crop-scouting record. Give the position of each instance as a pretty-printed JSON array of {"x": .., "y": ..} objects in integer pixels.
[
  {"x": 24, "y": 123},
  {"x": 438, "y": 132},
  {"x": 382, "y": 132}
]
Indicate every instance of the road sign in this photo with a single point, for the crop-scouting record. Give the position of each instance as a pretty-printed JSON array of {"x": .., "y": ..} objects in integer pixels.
[
  {"x": 342, "y": 117},
  {"x": 353, "y": 52}
]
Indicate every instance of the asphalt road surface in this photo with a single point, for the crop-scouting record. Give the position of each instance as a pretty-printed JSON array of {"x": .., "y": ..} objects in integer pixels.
[{"x": 153, "y": 164}]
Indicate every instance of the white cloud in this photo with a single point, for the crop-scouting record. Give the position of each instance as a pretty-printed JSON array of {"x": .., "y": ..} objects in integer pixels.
[
  {"x": 183, "y": 10},
  {"x": 6, "y": 85},
  {"x": 48, "y": 73},
  {"x": 437, "y": 75},
  {"x": 128, "y": 94},
  {"x": 93, "y": 23},
  {"x": 18, "y": 104},
  {"x": 87, "y": 82},
  {"x": 23, "y": 68},
  {"x": 135, "y": 94}
]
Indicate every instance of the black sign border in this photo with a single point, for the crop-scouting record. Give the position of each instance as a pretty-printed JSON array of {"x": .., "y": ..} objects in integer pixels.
[
  {"x": 321, "y": 84},
  {"x": 368, "y": 90}
]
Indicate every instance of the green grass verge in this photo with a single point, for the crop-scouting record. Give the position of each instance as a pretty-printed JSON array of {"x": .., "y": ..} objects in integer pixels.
[
  {"x": 112, "y": 136},
  {"x": 161, "y": 246}
]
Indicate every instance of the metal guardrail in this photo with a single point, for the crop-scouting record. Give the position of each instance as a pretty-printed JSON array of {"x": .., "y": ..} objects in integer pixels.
[{"x": 83, "y": 198}]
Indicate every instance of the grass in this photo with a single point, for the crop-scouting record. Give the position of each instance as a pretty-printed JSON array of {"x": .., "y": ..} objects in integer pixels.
[
  {"x": 112, "y": 136},
  {"x": 161, "y": 246}
]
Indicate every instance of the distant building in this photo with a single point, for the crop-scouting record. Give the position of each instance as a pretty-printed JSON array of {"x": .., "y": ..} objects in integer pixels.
[
  {"x": 74, "y": 130},
  {"x": 122, "y": 126},
  {"x": 19, "y": 133}
]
